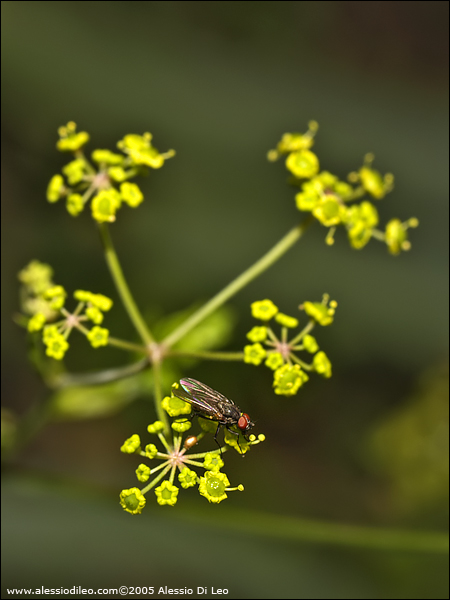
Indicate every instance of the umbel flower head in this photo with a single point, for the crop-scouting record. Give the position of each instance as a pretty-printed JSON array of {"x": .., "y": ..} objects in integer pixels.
[
  {"x": 328, "y": 198},
  {"x": 280, "y": 353},
  {"x": 104, "y": 181},
  {"x": 177, "y": 466},
  {"x": 44, "y": 303}
]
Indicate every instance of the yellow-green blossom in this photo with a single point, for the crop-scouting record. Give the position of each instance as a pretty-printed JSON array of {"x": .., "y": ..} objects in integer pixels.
[
  {"x": 286, "y": 320},
  {"x": 213, "y": 486},
  {"x": 329, "y": 210},
  {"x": 107, "y": 157},
  {"x": 105, "y": 205},
  {"x": 307, "y": 199},
  {"x": 82, "y": 295},
  {"x": 74, "y": 171},
  {"x": 360, "y": 220},
  {"x": 50, "y": 332},
  {"x": 36, "y": 323},
  {"x": 302, "y": 163},
  {"x": 98, "y": 336},
  {"x": 131, "y": 194},
  {"x": 239, "y": 443},
  {"x": 100, "y": 301},
  {"x": 74, "y": 204},
  {"x": 181, "y": 426},
  {"x": 294, "y": 141},
  {"x": 57, "y": 346},
  {"x": 187, "y": 478},
  {"x": 213, "y": 462},
  {"x": 288, "y": 379},
  {"x": 36, "y": 276},
  {"x": 343, "y": 189},
  {"x": 132, "y": 500},
  {"x": 56, "y": 291},
  {"x": 264, "y": 309},
  {"x": 396, "y": 237},
  {"x": 94, "y": 314},
  {"x": 254, "y": 354},
  {"x": 151, "y": 451},
  {"x": 141, "y": 152},
  {"x": 70, "y": 140},
  {"x": 374, "y": 183},
  {"x": 310, "y": 344},
  {"x": 143, "y": 473},
  {"x": 132, "y": 445},
  {"x": 322, "y": 364},
  {"x": 117, "y": 173},
  {"x": 274, "y": 360},
  {"x": 175, "y": 406},
  {"x": 156, "y": 427},
  {"x": 321, "y": 313},
  {"x": 55, "y": 188},
  {"x": 167, "y": 493},
  {"x": 257, "y": 334}
]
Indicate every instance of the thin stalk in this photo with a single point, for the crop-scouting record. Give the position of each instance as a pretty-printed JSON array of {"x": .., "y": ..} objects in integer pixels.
[
  {"x": 125, "y": 345},
  {"x": 206, "y": 355},
  {"x": 308, "y": 327},
  {"x": 297, "y": 360},
  {"x": 100, "y": 377},
  {"x": 320, "y": 532},
  {"x": 162, "y": 416},
  {"x": 237, "y": 284},
  {"x": 122, "y": 286},
  {"x": 156, "y": 480}
]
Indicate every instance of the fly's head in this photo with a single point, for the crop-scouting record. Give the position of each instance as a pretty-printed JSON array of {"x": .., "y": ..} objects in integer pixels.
[{"x": 244, "y": 424}]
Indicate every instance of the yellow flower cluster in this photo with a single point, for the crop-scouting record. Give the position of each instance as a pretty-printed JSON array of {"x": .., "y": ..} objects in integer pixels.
[
  {"x": 327, "y": 198},
  {"x": 279, "y": 354},
  {"x": 85, "y": 182}
]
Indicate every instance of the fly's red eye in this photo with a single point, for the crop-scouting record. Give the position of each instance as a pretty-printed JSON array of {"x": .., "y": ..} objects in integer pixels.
[{"x": 243, "y": 422}]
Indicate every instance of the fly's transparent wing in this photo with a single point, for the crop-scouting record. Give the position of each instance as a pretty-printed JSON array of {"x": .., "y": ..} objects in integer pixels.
[
  {"x": 200, "y": 404},
  {"x": 203, "y": 392}
]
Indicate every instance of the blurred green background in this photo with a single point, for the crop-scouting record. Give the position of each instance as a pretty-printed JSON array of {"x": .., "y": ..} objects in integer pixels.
[{"x": 220, "y": 82}]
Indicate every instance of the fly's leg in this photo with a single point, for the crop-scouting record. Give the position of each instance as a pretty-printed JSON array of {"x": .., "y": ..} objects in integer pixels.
[
  {"x": 215, "y": 438},
  {"x": 236, "y": 434}
]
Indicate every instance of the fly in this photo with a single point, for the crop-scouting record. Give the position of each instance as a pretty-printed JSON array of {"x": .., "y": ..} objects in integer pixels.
[{"x": 209, "y": 404}]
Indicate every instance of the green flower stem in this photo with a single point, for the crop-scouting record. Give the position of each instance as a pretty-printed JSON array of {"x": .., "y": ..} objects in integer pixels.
[
  {"x": 80, "y": 154},
  {"x": 172, "y": 474},
  {"x": 155, "y": 481},
  {"x": 193, "y": 463},
  {"x": 303, "y": 365},
  {"x": 379, "y": 235},
  {"x": 358, "y": 192},
  {"x": 206, "y": 355},
  {"x": 100, "y": 377},
  {"x": 126, "y": 345},
  {"x": 123, "y": 344},
  {"x": 87, "y": 194},
  {"x": 302, "y": 333},
  {"x": 161, "y": 466},
  {"x": 122, "y": 286},
  {"x": 244, "y": 279},
  {"x": 272, "y": 336},
  {"x": 270, "y": 525},
  {"x": 203, "y": 454},
  {"x": 161, "y": 413}
]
